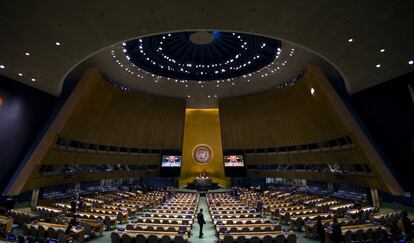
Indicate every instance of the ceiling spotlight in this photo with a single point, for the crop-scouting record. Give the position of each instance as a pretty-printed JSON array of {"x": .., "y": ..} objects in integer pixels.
[
  {"x": 20, "y": 74},
  {"x": 312, "y": 91},
  {"x": 411, "y": 62},
  {"x": 57, "y": 43},
  {"x": 382, "y": 50},
  {"x": 33, "y": 79},
  {"x": 378, "y": 65},
  {"x": 350, "y": 40},
  {"x": 188, "y": 96},
  {"x": 27, "y": 54},
  {"x": 208, "y": 96},
  {"x": 2, "y": 66}
]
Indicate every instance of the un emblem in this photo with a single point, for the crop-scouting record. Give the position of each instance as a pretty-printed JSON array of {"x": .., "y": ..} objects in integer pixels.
[{"x": 202, "y": 154}]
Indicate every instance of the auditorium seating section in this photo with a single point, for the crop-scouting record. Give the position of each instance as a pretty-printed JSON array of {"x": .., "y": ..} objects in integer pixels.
[
  {"x": 299, "y": 211},
  {"x": 236, "y": 221},
  {"x": 169, "y": 221},
  {"x": 165, "y": 215}
]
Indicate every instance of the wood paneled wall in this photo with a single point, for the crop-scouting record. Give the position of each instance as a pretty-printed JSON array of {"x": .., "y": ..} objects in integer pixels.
[
  {"x": 98, "y": 113},
  {"x": 109, "y": 116},
  {"x": 294, "y": 116},
  {"x": 281, "y": 117}
]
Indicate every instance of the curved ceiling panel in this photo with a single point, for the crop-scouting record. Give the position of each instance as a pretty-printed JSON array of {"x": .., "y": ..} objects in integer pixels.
[{"x": 202, "y": 55}]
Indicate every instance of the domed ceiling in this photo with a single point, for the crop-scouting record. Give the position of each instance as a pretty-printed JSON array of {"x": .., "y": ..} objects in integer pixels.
[
  {"x": 202, "y": 66},
  {"x": 202, "y": 55}
]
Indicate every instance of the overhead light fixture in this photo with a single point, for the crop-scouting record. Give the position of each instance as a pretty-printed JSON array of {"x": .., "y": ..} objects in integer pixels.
[
  {"x": 57, "y": 43},
  {"x": 33, "y": 79},
  {"x": 27, "y": 54},
  {"x": 378, "y": 65},
  {"x": 20, "y": 74},
  {"x": 350, "y": 40},
  {"x": 312, "y": 91},
  {"x": 411, "y": 62},
  {"x": 382, "y": 50},
  {"x": 2, "y": 66}
]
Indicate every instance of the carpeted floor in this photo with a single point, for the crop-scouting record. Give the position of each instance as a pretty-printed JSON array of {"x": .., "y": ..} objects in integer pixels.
[{"x": 209, "y": 234}]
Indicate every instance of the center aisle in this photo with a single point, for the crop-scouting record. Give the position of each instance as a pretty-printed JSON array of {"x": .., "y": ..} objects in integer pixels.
[{"x": 208, "y": 228}]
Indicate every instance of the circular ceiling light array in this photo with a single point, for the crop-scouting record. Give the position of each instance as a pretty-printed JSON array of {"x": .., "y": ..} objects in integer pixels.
[
  {"x": 175, "y": 56},
  {"x": 265, "y": 72}
]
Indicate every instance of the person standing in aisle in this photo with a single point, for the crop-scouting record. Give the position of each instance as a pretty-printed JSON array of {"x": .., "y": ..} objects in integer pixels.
[{"x": 201, "y": 222}]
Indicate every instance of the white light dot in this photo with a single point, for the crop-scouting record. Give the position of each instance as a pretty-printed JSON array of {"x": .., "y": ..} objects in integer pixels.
[
  {"x": 57, "y": 43},
  {"x": 411, "y": 62},
  {"x": 350, "y": 40},
  {"x": 188, "y": 96},
  {"x": 20, "y": 74},
  {"x": 312, "y": 91},
  {"x": 33, "y": 79},
  {"x": 27, "y": 54},
  {"x": 2, "y": 66},
  {"x": 382, "y": 50},
  {"x": 378, "y": 65}
]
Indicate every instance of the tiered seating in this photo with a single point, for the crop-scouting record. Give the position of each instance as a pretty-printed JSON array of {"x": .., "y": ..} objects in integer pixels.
[
  {"x": 301, "y": 211},
  {"x": 99, "y": 212},
  {"x": 235, "y": 221},
  {"x": 169, "y": 221}
]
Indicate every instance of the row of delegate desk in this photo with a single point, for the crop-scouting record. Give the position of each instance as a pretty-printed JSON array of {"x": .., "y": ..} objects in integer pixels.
[
  {"x": 302, "y": 211},
  {"x": 171, "y": 221},
  {"x": 236, "y": 221},
  {"x": 99, "y": 211}
]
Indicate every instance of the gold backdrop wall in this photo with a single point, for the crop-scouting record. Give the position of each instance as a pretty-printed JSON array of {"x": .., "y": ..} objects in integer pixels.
[{"x": 202, "y": 126}]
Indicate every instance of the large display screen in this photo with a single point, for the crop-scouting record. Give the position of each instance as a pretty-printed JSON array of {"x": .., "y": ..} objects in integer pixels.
[
  {"x": 233, "y": 161},
  {"x": 171, "y": 161}
]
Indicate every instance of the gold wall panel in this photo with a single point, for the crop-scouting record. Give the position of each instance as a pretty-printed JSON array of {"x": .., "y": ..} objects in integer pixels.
[
  {"x": 110, "y": 116},
  {"x": 202, "y": 127}
]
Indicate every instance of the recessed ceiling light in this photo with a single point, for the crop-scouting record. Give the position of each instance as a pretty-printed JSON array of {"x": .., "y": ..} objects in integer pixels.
[
  {"x": 350, "y": 40},
  {"x": 382, "y": 50},
  {"x": 57, "y": 43},
  {"x": 411, "y": 62},
  {"x": 2, "y": 66},
  {"x": 33, "y": 79},
  {"x": 378, "y": 65},
  {"x": 188, "y": 96},
  {"x": 20, "y": 74},
  {"x": 27, "y": 54},
  {"x": 312, "y": 91}
]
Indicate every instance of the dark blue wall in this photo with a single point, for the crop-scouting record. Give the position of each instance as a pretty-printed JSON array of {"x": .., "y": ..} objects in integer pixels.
[
  {"x": 23, "y": 112},
  {"x": 388, "y": 112}
]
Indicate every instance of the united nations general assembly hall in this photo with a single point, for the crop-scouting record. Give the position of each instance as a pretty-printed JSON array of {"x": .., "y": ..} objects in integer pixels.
[{"x": 207, "y": 121}]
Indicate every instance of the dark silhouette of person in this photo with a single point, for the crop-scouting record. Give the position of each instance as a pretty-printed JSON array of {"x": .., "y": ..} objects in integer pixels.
[
  {"x": 336, "y": 231},
  {"x": 80, "y": 204},
  {"x": 395, "y": 231},
  {"x": 259, "y": 206},
  {"x": 320, "y": 230},
  {"x": 407, "y": 226},
  {"x": 201, "y": 222},
  {"x": 73, "y": 205}
]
